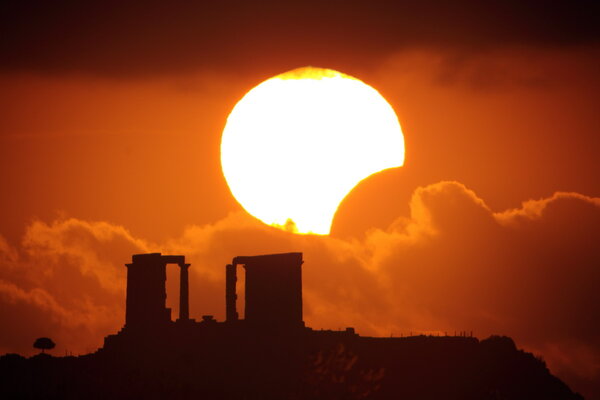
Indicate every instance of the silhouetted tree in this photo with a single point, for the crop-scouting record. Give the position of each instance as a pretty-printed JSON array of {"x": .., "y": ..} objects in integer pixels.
[{"x": 43, "y": 344}]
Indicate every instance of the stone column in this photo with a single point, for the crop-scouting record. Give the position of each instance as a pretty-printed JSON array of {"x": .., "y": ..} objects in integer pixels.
[
  {"x": 184, "y": 296},
  {"x": 230, "y": 293}
]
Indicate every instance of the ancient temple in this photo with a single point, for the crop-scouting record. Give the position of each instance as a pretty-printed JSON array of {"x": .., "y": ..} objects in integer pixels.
[{"x": 273, "y": 301}]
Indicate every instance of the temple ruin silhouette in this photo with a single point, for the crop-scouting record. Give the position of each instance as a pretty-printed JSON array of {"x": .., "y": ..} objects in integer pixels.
[
  {"x": 146, "y": 290},
  {"x": 273, "y": 293},
  {"x": 270, "y": 353},
  {"x": 272, "y": 306}
]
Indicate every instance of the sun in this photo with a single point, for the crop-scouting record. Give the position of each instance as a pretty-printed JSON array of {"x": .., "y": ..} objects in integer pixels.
[{"x": 295, "y": 145}]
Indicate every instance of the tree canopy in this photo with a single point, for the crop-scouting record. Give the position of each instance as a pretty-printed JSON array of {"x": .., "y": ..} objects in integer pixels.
[{"x": 43, "y": 344}]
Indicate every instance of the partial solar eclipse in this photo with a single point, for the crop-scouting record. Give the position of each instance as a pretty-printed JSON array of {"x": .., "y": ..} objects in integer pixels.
[{"x": 295, "y": 145}]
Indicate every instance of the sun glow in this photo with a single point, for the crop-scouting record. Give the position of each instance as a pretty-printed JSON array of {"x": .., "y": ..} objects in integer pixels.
[{"x": 295, "y": 145}]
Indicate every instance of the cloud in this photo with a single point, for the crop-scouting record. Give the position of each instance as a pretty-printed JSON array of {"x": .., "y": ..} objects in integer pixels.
[
  {"x": 529, "y": 273},
  {"x": 64, "y": 281},
  {"x": 453, "y": 264},
  {"x": 129, "y": 39}
]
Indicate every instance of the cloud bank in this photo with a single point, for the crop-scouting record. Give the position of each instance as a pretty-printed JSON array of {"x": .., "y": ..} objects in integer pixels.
[
  {"x": 117, "y": 39},
  {"x": 453, "y": 264}
]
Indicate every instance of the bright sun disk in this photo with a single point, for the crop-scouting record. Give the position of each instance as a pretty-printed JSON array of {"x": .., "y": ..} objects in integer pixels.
[{"x": 295, "y": 145}]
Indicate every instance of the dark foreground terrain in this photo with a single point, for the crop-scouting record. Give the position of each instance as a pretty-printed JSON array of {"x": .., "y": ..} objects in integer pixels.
[{"x": 234, "y": 364}]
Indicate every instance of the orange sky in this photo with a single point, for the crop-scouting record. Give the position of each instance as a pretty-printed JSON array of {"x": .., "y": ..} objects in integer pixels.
[{"x": 110, "y": 123}]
